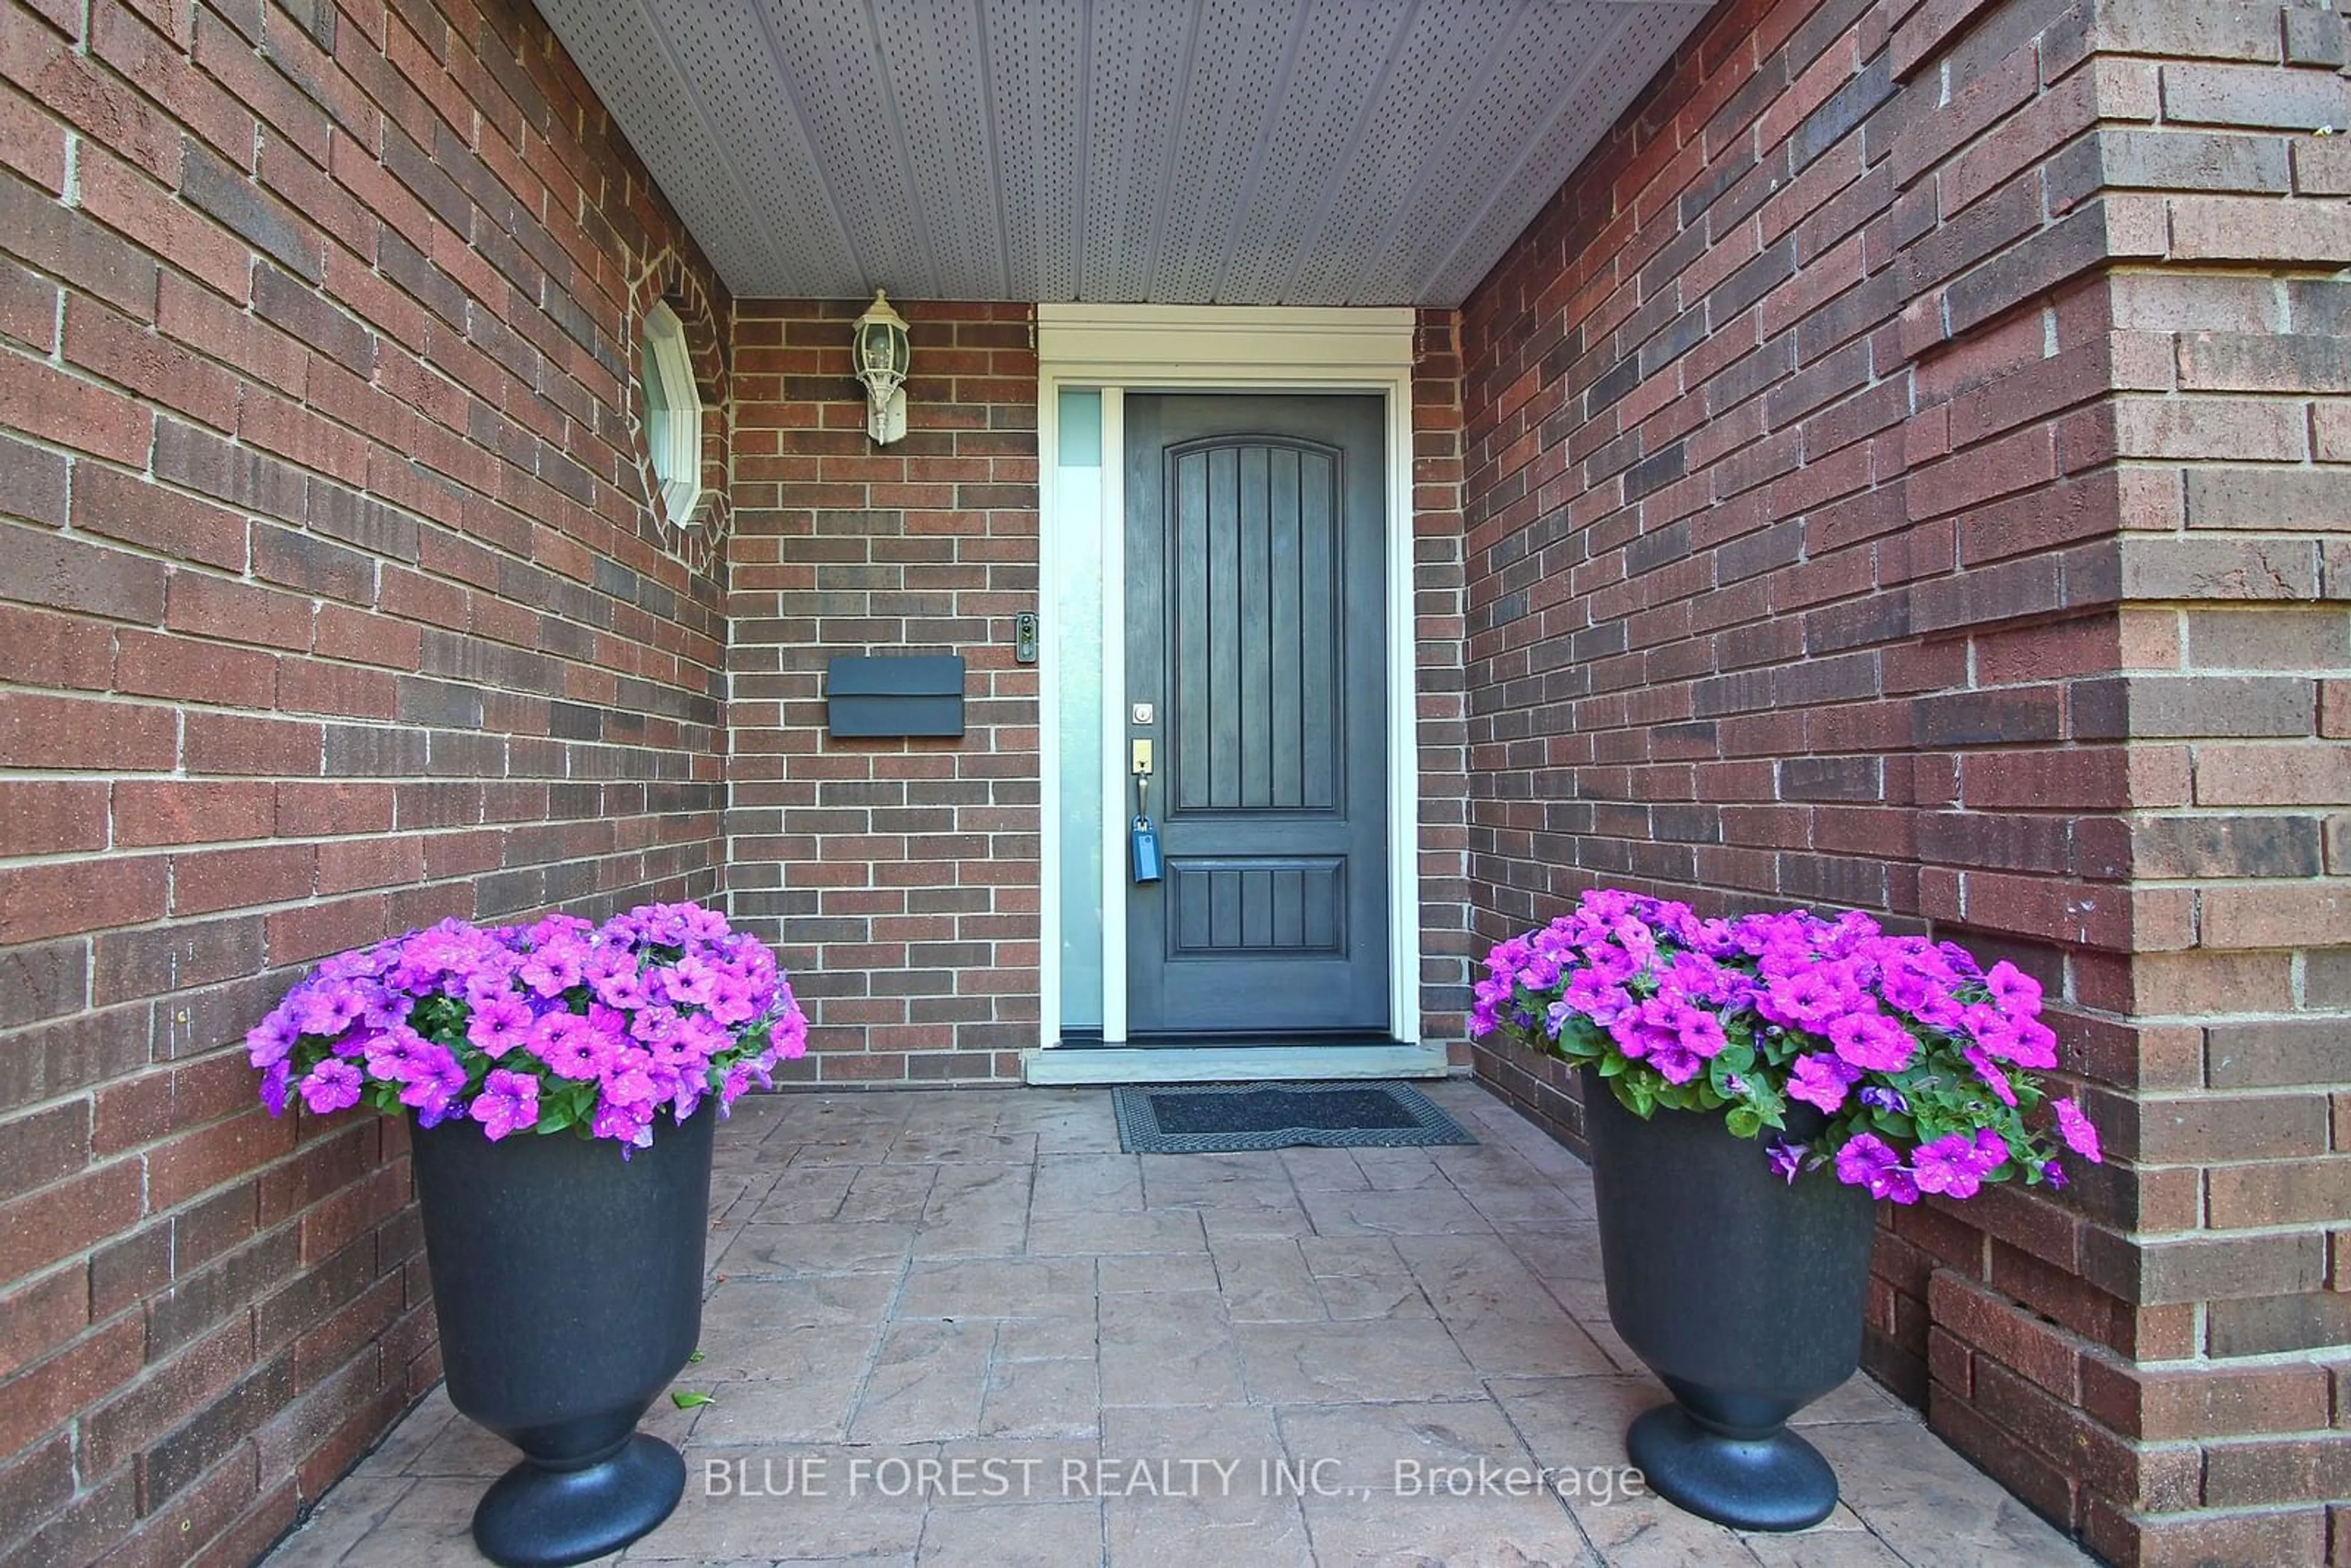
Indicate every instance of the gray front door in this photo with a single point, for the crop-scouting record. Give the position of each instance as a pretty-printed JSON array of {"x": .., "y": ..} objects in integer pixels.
[{"x": 1256, "y": 632}]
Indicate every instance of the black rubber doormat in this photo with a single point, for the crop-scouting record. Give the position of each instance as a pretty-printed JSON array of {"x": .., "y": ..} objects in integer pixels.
[{"x": 1227, "y": 1118}]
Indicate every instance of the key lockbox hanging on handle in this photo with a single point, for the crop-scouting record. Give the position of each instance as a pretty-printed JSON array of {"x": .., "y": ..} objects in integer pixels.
[
  {"x": 1144, "y": 842},
  {"x": 1142, "y": 839}
]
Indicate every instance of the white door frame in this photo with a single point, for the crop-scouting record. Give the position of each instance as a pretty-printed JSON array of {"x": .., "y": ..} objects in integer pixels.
[{"x": 1155, "y": 348}]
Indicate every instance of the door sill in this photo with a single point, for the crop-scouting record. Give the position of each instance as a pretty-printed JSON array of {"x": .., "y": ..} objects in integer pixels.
[{"x": 1230, "y": 1064}]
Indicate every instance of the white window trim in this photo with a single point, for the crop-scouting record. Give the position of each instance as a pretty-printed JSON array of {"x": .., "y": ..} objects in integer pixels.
[
  {"x": 1120, "y": 349},
  {"x": 675, "y": 443}
]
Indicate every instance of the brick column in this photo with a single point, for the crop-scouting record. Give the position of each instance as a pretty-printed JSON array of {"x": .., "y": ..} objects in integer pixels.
[
  {"x": 1902, "y": 475},
  {"x": 1447, "y": 948},
  {"x": 2186, "y": 224}
]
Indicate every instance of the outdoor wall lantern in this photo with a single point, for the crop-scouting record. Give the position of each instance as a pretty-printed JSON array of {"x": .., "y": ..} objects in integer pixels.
[{"x": 880, "y": 354}]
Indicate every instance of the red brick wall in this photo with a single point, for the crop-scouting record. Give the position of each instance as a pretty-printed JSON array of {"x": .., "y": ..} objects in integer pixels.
[
  {"x": 1902, "y": 473},
  {"x": 898, "y": 878},
  {"x": 329, "y": 605}
]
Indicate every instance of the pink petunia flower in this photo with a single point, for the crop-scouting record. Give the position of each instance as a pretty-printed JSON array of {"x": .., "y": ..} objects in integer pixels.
[
  {"x": 2032, "y": 1043},
  {"x": 1596, "y": 998},
  {"x": 1699, "y": 1032},
  {"x": 1867, "y": 1161},
  {"x": 1989, "y": 1070},
  {"x": 1874, "y": 1042},
  {"x": 1952, "y": 1165},
  {"x": 397, "y": 1056},
  {"x": 1821, "y": 1080},
  {"x": 2013, "y": 991},
  {"x": 1677, "y": 1062},
  {"x": 1810, "y": 998}
]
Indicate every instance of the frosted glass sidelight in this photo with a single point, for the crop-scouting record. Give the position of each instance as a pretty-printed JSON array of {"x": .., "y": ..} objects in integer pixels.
[{"x": 1074, "y": 622}]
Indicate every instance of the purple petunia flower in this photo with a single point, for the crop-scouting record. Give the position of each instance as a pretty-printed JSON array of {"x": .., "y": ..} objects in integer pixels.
[
  {"x": 332, "y": 1085},
  {"x": 1878, "y": 1098},
  {"x": 790, "y": 1036},
  {"x": 271, "y": 1040},
  {"x": 630, "y": 1083},
  {"x": 499, "y": 1024},
  {"x": 325, "y": 1010},
  {"x": 1787, "y": 1160},
  {"x": 554, "y": 968},
  {"x": 570, "y": 1046},
  {"x": 2077, "y": 1130},
  {"x": 632, "y": 1124},
  {"x": 435, "y": 1080},
  {"x": 276, "y": 1084},
  {"x": 625, "y": 989},
  {"x": 508, "y": 1102},
  {"x": 362, "y": 1020},
  {"x": 1699, "y": 979},
  {"x": 396, "y": 1057}
]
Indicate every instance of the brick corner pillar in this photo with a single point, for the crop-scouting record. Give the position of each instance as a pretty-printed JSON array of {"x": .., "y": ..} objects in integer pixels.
[
  {"x": 2119, "y": 232},
  {"x": 1905, "y": 470}
]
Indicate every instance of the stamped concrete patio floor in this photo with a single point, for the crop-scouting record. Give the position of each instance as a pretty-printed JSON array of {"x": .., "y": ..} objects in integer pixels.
[{"x": 981, "y": 1276}]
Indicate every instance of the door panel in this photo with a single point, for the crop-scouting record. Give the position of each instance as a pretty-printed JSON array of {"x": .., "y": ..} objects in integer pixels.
[{"x": 1256, "y": 627}]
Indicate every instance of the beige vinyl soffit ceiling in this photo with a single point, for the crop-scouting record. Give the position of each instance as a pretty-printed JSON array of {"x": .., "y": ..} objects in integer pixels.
[{"x": 1176, "y": 151}]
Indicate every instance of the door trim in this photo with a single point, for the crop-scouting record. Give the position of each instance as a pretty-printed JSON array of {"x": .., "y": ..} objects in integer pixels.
[{"x": 1170, "y": 348}]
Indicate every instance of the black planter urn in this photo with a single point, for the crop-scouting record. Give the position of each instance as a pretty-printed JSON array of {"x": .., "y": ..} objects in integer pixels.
[
  {"x": 568, "y": 1286},
  {"x": 1741, "y": 1292}
]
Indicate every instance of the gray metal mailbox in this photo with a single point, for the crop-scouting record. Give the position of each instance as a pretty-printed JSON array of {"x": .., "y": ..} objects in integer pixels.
[{"x": 872, "y": 696}]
